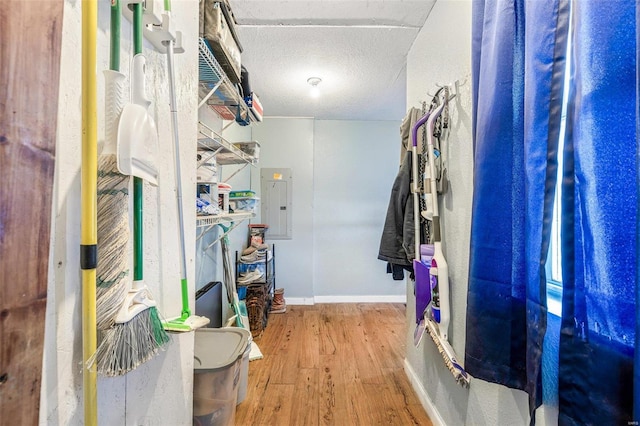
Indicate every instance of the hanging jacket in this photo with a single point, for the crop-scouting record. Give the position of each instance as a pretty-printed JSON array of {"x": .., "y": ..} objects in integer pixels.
[
  {"x": 396, "y": 244},
  {"x": 405, "y": 132}
]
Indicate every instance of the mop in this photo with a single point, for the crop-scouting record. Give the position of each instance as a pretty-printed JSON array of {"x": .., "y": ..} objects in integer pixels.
[
  {"x": 241, "y": 317},
  {"x": 186, "y": 321},
  {"x": 437, "y": 318},
  {"x": 136, "y": 334}
]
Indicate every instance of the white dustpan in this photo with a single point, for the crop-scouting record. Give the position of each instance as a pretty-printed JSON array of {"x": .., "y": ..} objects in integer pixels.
[{"x": 137, "y": 133}]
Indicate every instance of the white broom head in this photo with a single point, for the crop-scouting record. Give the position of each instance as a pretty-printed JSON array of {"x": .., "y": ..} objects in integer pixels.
[{"x": 137, "y": 300}]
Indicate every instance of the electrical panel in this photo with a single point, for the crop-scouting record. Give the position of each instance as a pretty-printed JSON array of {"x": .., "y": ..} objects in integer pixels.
[{"x": 275, "y": 200}]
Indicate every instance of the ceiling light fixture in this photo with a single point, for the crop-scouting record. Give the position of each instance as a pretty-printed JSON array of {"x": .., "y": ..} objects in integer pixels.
[{"x": 315, "y": 90}]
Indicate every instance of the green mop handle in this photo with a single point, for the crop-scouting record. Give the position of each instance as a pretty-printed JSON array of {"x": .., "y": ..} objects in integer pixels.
[
  {"x": 114, "y": 53},
  {"x": 186, "y": 312},
  {"x": 137, "y": 182}
]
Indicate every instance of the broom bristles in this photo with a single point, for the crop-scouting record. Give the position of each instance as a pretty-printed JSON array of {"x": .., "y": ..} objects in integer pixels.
[
  {"x": 112, "y": 271},
  {"x": 448, "y": 355},
  {"x": 125, "y": 346}
]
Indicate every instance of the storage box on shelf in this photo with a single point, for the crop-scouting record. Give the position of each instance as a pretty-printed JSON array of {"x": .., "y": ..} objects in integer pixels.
[
  {"x": 243, "y": 201},
  {"x": 244, "y": 204},
  {"x": 255, "y": 106},
  {"x": 217, "y": 26}
]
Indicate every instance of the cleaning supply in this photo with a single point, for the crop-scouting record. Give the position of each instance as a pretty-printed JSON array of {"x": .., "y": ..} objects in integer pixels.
[
  {"x": 88, "y": 187},
  {"x": 137, "y": 334},
  {"x": 113, "y": 279},
  {"x": 137, "y": 142},
  {"x": 437, "y": 318},
  {"x": 439, "y": 271},
  {"x": 137, "y": 133},
  {"x": 423, "y": 285},
  {"x": 186, "y": 321},
  {"x": 422, "y": 281},
  {"x": 241, "y": 317}
]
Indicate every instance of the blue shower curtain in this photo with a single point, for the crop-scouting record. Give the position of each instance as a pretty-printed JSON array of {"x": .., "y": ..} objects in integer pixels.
[
  {"x": 600, "y": 195},
  {"x": 518, "y": 69}
]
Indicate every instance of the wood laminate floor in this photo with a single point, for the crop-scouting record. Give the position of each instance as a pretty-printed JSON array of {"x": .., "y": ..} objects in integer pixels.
[{"x": 332, "y": 364}]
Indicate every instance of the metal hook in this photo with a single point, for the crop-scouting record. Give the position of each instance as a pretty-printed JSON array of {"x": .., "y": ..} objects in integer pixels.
[
  {"x": 453, "y": 87},
  {"x": 458, "y": 84}
]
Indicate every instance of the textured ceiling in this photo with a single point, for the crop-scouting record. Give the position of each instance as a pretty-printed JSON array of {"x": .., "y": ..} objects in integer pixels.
[{"x": 358, "y": 48}]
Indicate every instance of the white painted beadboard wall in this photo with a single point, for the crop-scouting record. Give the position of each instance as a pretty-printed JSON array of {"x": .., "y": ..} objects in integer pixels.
[
  {"x": 160, "y": 391},
  {"x": 442, "y": 54}
]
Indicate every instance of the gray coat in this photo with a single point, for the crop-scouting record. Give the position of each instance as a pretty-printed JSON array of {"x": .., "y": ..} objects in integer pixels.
[{"x": 396, "y": 244}]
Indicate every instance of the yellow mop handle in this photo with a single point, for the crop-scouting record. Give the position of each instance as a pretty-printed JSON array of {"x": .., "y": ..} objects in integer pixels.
[{"x": 89, "y": 233}]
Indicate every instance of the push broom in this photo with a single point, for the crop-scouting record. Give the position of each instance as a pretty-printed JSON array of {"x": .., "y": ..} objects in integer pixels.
[{"x": 437, "y": 320}]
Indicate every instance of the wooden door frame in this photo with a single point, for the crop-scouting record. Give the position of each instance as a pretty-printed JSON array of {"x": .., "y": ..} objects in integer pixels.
[{"x": 30, "y": 44}]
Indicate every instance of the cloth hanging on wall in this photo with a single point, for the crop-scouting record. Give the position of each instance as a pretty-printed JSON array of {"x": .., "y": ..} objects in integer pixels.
[
  {"x": 405, "y": 132},
  {"x": 600, "y": 195},
  {"x": 397, "y": 241},
  {"x": 518, "y": 61},
  {"x": 496, "y": 329}
]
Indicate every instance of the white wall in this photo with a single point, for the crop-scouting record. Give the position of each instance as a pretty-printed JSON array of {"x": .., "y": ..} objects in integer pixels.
[
  {"x": 158, "y": 392},
  {"x": 288, "y": 143},
  {"x": 355, "y": 164},
  {"x": 342, "y": 177},
  {"x": 442, "y": 54}
]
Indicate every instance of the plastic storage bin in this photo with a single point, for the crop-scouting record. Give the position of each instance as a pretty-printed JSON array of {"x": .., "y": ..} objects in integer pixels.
[
  {"x": 244, "y": 367},
  {"x": 218, "y": 357},
  {"x": 244, "y": 204},
  {"x": 250, "y": 148}
]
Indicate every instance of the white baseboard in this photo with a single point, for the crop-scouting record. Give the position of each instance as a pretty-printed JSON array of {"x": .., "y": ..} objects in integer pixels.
[
  {"x": 345, "y": 299},
  {"x": 427, "y": 403},
  {"x": 298, "y": 300},
  {"x": 401, "y": 298}
]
